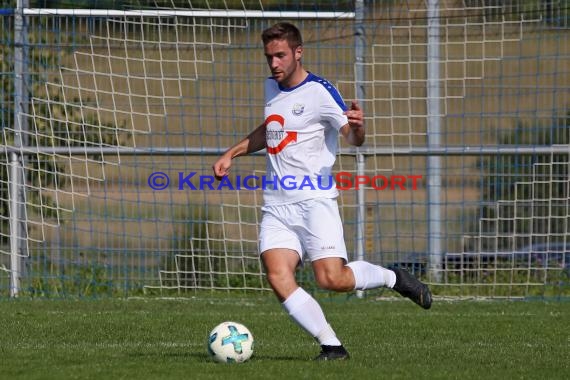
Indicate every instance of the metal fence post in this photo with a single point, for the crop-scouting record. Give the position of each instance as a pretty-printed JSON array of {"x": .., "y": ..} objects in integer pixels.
[
  {"x": 359, "y": 44},
  {"x": 18, "y": 231},
  {"x": 434, "y": 137}
]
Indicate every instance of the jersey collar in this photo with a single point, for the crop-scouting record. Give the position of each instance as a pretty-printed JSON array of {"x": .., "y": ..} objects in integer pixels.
[{"x": 309, "y": 78}]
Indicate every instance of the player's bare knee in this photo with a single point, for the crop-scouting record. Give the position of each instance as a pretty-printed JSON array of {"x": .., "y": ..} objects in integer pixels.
[
  {"x": 279, "y": 278},
  {"x": 273, "y": 278}
]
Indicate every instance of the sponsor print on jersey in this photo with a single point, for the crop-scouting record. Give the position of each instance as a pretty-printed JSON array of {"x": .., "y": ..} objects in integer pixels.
[{"x": 275, "y": 135}]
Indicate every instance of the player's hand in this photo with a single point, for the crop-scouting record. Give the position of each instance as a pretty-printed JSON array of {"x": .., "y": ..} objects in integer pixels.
[
  {"x": 222, "y": 167},
  {"x": 355, "y": 115}
]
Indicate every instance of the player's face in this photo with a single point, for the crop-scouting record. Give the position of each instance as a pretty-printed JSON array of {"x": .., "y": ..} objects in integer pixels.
[{"x": 283, "y": 61}]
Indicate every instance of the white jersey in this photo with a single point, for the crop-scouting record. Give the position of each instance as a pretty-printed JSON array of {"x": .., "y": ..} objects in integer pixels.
[{"x": 302, "y": 125}]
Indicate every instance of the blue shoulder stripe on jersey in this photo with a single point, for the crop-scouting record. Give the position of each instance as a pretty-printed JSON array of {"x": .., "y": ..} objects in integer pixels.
[
  {"x": 325, "y": 83},
  {"x": 330, "y": 88}
]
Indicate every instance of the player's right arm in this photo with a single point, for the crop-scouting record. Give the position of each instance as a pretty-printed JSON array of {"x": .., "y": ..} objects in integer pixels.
[{"x": 254, "y": 142}]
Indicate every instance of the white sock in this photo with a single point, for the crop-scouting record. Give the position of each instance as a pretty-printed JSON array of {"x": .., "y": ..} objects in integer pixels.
[
  {"x": 307, "y": 313},
  {"x": 370, "y": 276}
]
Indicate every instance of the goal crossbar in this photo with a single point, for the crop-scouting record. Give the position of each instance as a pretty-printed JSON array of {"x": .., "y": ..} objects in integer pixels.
[{"x": 218, "y": 13}]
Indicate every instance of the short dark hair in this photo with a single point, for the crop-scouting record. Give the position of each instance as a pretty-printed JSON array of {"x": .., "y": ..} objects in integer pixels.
[{"x": 283, "y": 31}]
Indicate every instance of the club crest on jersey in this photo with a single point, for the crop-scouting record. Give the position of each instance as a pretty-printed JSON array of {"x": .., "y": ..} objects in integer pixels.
[{"x": 298, "y": 109}]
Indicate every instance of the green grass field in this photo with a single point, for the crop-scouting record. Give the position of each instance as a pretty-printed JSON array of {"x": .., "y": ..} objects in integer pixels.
[{"x": 166, "y": 339}]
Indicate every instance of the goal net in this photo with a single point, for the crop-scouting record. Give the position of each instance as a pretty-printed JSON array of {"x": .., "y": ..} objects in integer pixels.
[{"x": 107, "y": 188}]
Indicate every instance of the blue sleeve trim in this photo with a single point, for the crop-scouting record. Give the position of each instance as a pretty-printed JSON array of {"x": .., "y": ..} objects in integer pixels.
[{"x": 330, "y": 89}]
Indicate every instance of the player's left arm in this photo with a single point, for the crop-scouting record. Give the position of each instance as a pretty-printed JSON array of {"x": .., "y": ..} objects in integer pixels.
[{"x": 353, "y": 131}]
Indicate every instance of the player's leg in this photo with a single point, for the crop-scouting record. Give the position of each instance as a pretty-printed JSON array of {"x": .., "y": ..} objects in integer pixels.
[
  {"x": 327, "y": 251},
  {"x": 280, "y": 265},
  {"x": 281, "y": 254},
  {"x": 332, "y": 274},
  {"x": 324, "y": 240}
]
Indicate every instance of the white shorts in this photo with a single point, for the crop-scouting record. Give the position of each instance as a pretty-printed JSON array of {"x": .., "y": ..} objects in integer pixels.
[{"x": 312, "y": 227}]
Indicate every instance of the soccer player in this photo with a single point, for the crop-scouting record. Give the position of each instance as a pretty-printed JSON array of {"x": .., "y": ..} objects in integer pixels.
[{"x": 304, "y": 114}]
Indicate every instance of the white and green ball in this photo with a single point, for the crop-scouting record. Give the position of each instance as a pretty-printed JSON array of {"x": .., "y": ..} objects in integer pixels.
[{"x": 230, "y": 342}]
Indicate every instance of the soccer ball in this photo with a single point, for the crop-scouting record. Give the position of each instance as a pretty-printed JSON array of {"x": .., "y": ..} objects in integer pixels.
[{"x": 230, "y": 342}]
